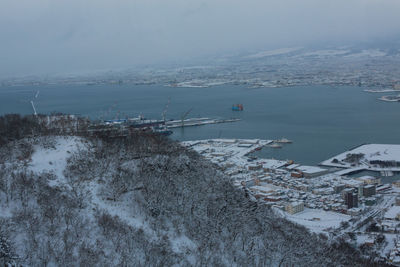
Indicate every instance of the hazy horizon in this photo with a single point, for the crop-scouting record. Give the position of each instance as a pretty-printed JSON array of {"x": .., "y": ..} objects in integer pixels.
[{"x": 47, "y": 36}]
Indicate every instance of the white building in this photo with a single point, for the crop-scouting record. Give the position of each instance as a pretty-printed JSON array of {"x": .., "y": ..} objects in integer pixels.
[
  {"x": 311, "y": 171},
  {"x": 369, "y": 179},
  {"x": 294, "y": 207}
]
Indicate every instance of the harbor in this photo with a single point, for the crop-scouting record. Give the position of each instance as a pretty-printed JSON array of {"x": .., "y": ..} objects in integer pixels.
[
  {"x": 322, "y": 199},
  {"x": 263, "y": 116},
  {"x": 122, "y": 127}
]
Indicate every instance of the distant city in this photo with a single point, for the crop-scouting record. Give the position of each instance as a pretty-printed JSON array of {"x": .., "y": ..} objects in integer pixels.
[{"x": 376, "y": 68}]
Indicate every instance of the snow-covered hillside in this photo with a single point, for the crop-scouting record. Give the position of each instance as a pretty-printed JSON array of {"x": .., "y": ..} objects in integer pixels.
[{"x": 140, "y": 201}]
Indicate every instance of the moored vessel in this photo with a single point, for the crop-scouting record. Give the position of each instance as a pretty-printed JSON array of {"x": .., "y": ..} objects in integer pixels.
[{"x": 284, "y": 141}]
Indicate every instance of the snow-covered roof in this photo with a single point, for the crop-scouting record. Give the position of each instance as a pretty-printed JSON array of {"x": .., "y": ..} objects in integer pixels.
[
  {"x": 389, "y": 223},
  {"x": 383, "y": 187},
  {"x": 310, "y": 169},
  {"x": 228, "y": 141},
  {"x": 292, "y": 166},
  {"x": 354, "y": 183},
  {"x": 245, "y": 145},
  {"x": 355, "y": 209},
  {"x": 263, "y": 188},
  {"x": 296, "y": 203},
  {"x": 392, "y": 212},
  {"x": 273, "y": 163},
  {"x": 347, "y": 171},
  {"x": 366, "y": 177}
]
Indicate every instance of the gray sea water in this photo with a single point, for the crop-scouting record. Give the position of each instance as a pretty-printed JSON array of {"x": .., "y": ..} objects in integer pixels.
[{"x": 322, "y": 121}]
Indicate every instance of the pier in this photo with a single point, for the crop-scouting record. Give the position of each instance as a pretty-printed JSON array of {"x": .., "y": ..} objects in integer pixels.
[
  {"x": 196, "y": 122},
  {"x": 123, "y": 127}
]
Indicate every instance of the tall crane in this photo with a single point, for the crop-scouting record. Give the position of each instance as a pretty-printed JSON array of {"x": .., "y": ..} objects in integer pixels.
[
  {"x": 111, "y": 108},
  {"x": 117, "y": 115},
  {"x": 34, "y": 109},
  {"x": 33, "y": 105},
  {"x": 184, "y": 117},
  {"x": 163, "y": 114}
]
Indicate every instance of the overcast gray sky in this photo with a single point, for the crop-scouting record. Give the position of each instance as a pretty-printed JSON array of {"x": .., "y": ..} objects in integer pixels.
[{"x": 50, "y": 36}]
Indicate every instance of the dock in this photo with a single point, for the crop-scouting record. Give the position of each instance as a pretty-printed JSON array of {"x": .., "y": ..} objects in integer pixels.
[{"x": 196, "y": 122}]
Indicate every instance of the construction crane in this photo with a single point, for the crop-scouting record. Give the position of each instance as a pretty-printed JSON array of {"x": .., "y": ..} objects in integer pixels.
[
  {"x": 111, "y": 108},
  {"x": 184, "y": 117},
  {"x": 163, "y": 114},
  {"x": 117, "y": 115},
  {"x": 34, "y": 109},
  {"x": 33, "y": 105}
]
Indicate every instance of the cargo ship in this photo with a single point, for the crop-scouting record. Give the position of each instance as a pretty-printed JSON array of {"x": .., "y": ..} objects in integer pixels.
[
  {"x": 237, "y": 107},
  {"x": 141, "y": 122},
  {"x": 162, "y": 130}
]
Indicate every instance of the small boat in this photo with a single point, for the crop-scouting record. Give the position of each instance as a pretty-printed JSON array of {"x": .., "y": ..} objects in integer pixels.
[
  {"x": 284, "y": 141},
  {"x": 237, "y": 107},
  {"x": 275, "y": 145}
]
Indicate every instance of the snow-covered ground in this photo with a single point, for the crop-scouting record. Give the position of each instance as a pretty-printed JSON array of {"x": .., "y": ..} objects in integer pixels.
[
  {"x": 382, "y": 152},
  {"x": 317, "y": 221},
  {"x": 53, "y": 159}
]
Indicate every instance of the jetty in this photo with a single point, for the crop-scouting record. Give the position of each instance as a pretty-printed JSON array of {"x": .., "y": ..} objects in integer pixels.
[{"x": 196, "y": 122}]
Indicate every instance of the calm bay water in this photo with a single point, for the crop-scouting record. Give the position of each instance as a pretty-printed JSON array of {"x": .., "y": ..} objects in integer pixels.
[{"x": 322, "y": 121}]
